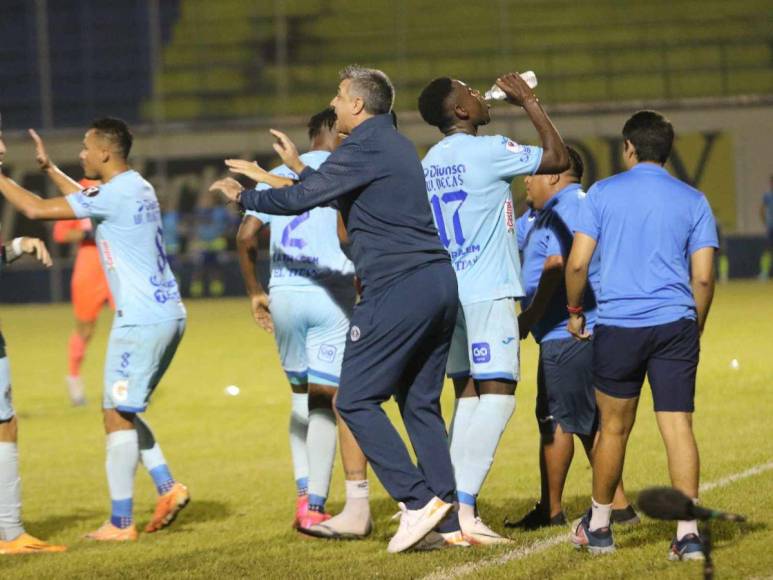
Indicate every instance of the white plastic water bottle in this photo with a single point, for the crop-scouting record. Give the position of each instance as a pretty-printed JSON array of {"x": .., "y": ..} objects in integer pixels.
[{"x": 497, "y": 94}]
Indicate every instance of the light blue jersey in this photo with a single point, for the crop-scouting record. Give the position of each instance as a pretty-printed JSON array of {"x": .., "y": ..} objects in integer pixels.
[
  {"x": 646, "y": 224},
  {"x": 552, "y": 234},
  {"x": 305, "y": 250},
  {"x": 468, "y": 182},
  {"x": 130, "y": 238}
]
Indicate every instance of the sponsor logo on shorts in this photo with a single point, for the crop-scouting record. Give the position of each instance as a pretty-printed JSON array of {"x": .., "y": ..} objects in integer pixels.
[
  {"x": 508, "y": 340},
  {"x": 355, "y": 333},
  {"x": 481, "y": 352},
  {"x": 120, "y": 391},
  {"x": 327, "y": 352}
]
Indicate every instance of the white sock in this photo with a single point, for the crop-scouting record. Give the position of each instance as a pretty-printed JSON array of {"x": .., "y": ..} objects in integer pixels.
[
  {"x": 10, "y": 493},
  {"x": 299, "y": 423},
  {"x": 464, "y": 409},
  {"x": 684, "y": 528},
  {"x": 483, "y": 435},
  {"x": 600, "y": 516},
  {"x": 357, "y": 495},
  {"x": 321, "y": 445},
  {"x": 123, "y": 456}
]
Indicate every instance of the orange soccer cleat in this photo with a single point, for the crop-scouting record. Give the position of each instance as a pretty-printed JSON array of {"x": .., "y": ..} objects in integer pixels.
[
  {"x": 312, "y": 518},
  {"x": 107, "y": 532},
  {"x": 26, "y": 544},
  {"x": 168, "y": 506}
]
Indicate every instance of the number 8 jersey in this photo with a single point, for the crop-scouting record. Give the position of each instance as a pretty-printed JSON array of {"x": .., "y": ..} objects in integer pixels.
[
  {"x": 468, "y": 182},
  {"x": 127, "y": 219}
]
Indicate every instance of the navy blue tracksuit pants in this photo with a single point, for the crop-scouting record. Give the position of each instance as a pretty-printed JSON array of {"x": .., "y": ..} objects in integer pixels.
[{"x": 398, "y": 345}]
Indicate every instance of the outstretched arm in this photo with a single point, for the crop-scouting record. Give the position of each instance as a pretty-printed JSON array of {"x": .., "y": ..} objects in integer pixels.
[
  {"x": 33, "y": 206},
  {"x": 63, "y": 182},
  {"x": 255, "y": 172}
]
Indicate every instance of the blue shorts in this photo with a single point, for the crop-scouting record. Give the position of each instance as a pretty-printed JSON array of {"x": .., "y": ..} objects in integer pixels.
[
  {"x": 6, "y": 403},
  {"x": 310, "y": 328},
  {"x": 485, "y": 342},
  {"x": 667, "y": 354},
  {"x": 565, "y": 387},
  {"x": 137, "y": 358}
]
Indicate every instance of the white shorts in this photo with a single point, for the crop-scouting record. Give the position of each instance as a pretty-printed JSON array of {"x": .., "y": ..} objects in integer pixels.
[
  {"x": 310, "y": 329},
  {"x": 485, "y": 342}
]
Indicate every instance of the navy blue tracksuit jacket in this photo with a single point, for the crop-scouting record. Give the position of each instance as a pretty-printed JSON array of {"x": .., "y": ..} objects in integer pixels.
[{"x": 401, "y": 329}]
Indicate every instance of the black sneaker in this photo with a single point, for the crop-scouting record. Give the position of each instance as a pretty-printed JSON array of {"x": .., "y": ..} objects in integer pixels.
[
  {"x": 537, "y": 518},
  {"x": 625, "y": 517}
]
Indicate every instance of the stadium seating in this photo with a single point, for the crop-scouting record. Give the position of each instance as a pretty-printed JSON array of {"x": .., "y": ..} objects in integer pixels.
[{"x": 582, "y": 51}]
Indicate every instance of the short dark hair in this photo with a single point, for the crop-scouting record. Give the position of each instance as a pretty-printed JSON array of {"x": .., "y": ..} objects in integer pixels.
[
  {"x": 372, "y": 85},
  {"x": 651, "y": 134},
  {"x": 432, "y": 102},
  {"x": 576, "y": 166},
  {"x": 323, "y": 120},
  {"x": 117, "y": 131}
]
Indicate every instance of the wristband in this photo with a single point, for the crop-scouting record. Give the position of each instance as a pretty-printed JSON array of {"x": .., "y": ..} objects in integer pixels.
[
  {"x": 574, "y": 309},
  {"x": 16, "y": 246}
]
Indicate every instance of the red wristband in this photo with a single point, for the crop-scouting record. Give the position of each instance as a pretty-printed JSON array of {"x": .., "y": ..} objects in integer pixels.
[{"x": 574, "y": 309}]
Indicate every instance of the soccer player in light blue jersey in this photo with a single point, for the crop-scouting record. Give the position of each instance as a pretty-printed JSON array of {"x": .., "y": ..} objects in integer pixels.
[
  {"x": 468, "y": 182},
  {"x": 149, "y": 315},
  {"x": 311, "y": 296}
]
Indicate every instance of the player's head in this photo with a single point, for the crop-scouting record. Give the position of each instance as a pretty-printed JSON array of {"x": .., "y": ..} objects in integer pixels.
[
  {"x": 362, "y": 93},
  {"x": 446, "y": 102},
  {"x": 648, "y": 136},
  {"x": 106, "y": 145},
  {"x": 540, "y": 188},
  {"x": 323, "y": 130}
]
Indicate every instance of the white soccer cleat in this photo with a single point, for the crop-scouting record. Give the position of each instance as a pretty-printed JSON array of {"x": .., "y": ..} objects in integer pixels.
[
  {"x": 415, "y": 524},
  {"x": 76, "y": 390},
  {"x": 479, "y": 533}
]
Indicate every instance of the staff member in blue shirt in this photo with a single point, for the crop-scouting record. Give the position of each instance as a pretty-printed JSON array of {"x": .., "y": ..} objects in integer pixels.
[
  {"x": 401, "y": 330},
  {"x": 656, "y": 238}
]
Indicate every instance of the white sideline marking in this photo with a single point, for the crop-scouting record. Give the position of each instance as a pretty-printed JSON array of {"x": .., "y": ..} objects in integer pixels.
[
  {"x": 546, "y": 543},
  {"x": 756, "y": 470}
]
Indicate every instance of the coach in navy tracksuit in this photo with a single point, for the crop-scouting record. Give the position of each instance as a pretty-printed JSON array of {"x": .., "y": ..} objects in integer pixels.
[{"x": 401, "y": 330}]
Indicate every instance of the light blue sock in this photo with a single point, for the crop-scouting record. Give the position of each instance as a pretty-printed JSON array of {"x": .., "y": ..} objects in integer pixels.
[
  {"x": 10, "y": 492},
  {"x": 484, "y": 432},
  {"x": 299, "y": 425},
  {"x": 321, "y": 443},
  {"x": 464, "y": 410},
  {"x": 123, "y": 456},
  {"x": 152, "y": 457}
]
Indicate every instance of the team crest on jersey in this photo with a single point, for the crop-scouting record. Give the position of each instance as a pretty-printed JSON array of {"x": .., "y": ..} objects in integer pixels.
[
  {"x": 355, "y": 333},
  {"x": 513, "y": 147},
  {"x": 120, "y": 391},
  {"x": 92, "y": 191}
]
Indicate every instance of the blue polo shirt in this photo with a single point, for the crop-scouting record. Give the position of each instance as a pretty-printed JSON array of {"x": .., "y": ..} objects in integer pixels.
[
  {"x": 647, "y": 224},
  {"x": 523, "y": 225},
  {"x": 551, "y": 234}
]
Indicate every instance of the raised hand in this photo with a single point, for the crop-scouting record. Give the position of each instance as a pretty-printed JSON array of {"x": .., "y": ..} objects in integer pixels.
[
  {"x": 516, "y": 89},
  {"x": 37, "y": 247},
  {"x": 287, "y": 150},
  {"x": 247, "y": 168},
  {"x": 229, "y": 187},
  {"x": 41, "y": 155}
]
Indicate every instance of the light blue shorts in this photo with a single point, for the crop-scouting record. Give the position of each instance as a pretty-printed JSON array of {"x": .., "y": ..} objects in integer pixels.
[
  {"x": 485, "y": 342},
  {"x": 6, "y": 404},
  {"x": 137, "y": 358},
  {"x": 310, "y": 328}
]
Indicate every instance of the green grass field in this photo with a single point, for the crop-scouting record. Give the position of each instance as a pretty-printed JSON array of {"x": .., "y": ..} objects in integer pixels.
[{"x": 233, "y": 454}]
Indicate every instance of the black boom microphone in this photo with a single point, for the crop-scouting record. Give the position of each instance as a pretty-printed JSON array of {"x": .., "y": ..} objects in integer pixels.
[{"x": 667, "y": 503}]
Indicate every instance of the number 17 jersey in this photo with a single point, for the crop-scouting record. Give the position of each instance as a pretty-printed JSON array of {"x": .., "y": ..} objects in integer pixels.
[
  {"x": 468, "y": 183},
  {"x": 130, "y": 238}
]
